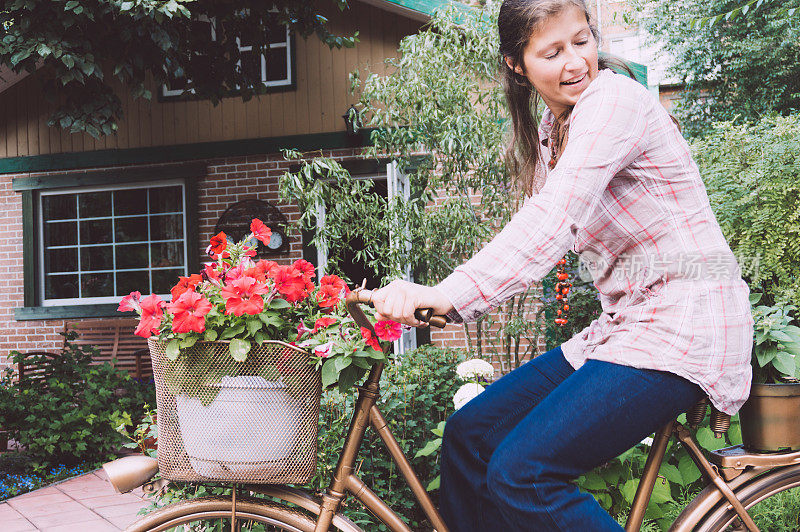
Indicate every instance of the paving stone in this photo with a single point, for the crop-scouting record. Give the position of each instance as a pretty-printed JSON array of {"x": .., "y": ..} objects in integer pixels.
[
  {"x": 7, "y": 513},
  {"x": 73, "y": 517},
  {"x": 99, "y": 525},
  {"x": 17, "y": 525},
  {"x": 120, "y": 509},
  {"x": 45, "y": 504}
]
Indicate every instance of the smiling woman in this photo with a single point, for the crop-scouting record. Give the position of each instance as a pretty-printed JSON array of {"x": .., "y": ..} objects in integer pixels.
[{"x": 622, "y": 191}]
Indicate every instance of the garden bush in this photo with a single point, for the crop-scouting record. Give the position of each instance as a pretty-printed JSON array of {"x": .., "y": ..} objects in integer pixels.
[
  {"x": 752, "y": 173},
  {"x": 70, "y": 416}
]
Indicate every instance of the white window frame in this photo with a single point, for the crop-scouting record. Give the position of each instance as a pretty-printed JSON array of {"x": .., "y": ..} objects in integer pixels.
[
  {"x": 80, "y": 190},
  {"x": 286, "y": 82}
]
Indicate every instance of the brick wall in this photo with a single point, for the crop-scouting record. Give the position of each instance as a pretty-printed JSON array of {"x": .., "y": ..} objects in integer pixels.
[{"x": 228, "y": 181}]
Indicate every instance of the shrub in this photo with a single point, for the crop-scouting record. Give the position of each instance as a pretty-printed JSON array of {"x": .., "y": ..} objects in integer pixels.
[
  {"x": 752, "y": 173},
  {"x": 70, "y": 416}
]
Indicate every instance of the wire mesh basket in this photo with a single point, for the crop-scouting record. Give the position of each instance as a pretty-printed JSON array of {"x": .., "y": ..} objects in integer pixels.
[{"x": 221, "y": 420}]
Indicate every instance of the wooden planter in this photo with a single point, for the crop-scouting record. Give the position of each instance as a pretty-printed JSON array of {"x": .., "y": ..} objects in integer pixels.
[{"x": 770, "y": 418}]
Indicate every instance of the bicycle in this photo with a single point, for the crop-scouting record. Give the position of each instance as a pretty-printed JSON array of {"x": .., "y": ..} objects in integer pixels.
[{"x": 736, "y": 479}]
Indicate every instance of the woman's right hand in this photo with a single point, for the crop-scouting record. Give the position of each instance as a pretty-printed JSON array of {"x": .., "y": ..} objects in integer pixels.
[{"x": 399, "y": 299}]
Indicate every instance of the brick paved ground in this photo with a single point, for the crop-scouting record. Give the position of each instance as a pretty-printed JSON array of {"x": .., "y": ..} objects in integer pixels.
[{"x": 86, "y": 503}]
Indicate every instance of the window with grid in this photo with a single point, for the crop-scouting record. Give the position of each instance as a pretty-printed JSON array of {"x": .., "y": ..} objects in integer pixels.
[
  {"x": 102, "y": 243},
  {"x": 274, "y": 68}
]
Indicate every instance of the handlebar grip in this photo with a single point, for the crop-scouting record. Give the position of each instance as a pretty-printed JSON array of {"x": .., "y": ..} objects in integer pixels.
[{"x": 365, "y": 296}]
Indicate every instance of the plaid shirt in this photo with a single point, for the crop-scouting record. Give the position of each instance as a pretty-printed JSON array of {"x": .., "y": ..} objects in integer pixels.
[{"x": 628, "y": 198}]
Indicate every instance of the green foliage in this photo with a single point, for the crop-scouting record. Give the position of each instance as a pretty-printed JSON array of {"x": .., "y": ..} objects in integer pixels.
[
  {"x": 779, "y": 513},
  {"x": 81, "y": 45},
  {"x": 70, "y": 416},
  {"x": 752, "y": 174},
  {"x": 732, "y": 67},
  {"x": 776, "y": 351},
  {"x": 443, "y": 98}
]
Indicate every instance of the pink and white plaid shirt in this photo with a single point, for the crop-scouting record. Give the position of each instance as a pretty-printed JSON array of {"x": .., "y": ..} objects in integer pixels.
[{"x": 628, "y": 198}]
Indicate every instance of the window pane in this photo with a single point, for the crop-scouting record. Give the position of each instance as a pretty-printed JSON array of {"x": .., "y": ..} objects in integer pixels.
[
  {"x": 166, "y": 227},
  {"x": 131, "y": 201},
  {"x": 61, "y": 233},
  {"x": 276, "y": 64},
  {"x": 95, "y": 231},
  {"x": 93, "y": 204},
  {"x": 167, "y": 254},
  {"x": 61, "y": 260},
  {"x": 97, "y": 258},
  {"x": 131, "y": 229},
  {"x": 132, "y": 256},
  {"x": 59, "y": 207},
  {"x": 166, "y": 199},
  {"x": 251, "y": 65},
  {"x": 133, "y": 281},
  {"x": 277, "y": 32},
  {"x": 164, "y": 280},
  {"x": 61, "y": 286},
  {"x": 97, "y": 284}
]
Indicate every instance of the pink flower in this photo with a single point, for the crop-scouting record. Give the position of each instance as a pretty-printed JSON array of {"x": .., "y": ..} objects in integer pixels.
[
  {"x": 260, "y": 231},
  {"x": 302, "y": 329},
  {"x": 152, "y": 313},
  {"x": 130, "y": 302},
  {"x": 388, "y": 330},
  {"x": 211, "y": 273},
  {"x": 189, "y": 311},
  {"x": 324, "y": 350}
]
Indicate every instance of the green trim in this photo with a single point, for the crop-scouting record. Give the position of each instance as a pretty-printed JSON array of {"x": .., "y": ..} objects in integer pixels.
[
  {"x": 427, "y": 7},
  {"x": 104, "y": 177},
  {"x": 28, "y": 249},
  {"x": 193, "y": 223},
  {"x": 183, "y": 152},
  {"x": 105, "y": 310}
]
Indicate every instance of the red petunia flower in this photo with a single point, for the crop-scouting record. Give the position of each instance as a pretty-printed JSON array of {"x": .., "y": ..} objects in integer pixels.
[
  {"x": 218, "y": 244},
  {"x": 371, "y": 340},
  {"x": 328, "y": 296},
  {"x": 305, "y": 267},
  {"x": 152, "y": 314},
  {"x": 324, "y": 350},
  {"x": 334, "y": 281},
  {"x": 292, "y": 284},
  {"x": 249, "y": 252},
  {"x": 322, "y": 323},
  {"x": 260, "y": 231},
  {"x": 268, "y": 267},
  {"x": 189, "y": 311},
  {"x": 211, "y": 273},
  {"x": 388, "y": 330},
  {"x": 130, "y": 302},
  {"x": 185, "y": 284},
  {"x": 243, "y": 296}
]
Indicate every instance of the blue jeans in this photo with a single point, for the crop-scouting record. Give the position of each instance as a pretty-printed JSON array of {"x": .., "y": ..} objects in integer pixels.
[{"x": 509, "y": 454}]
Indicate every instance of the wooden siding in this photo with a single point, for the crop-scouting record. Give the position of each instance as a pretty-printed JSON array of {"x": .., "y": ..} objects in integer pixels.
[{"x": 316, "y": 106}]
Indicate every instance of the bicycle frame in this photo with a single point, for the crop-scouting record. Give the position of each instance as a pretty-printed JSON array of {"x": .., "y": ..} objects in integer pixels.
[{"x": 710, "y": 471}]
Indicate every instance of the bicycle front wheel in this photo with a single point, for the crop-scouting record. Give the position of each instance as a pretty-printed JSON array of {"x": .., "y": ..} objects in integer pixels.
[
  {"x": 773, "y": 496},
  {"x": 209, "y": 514}
]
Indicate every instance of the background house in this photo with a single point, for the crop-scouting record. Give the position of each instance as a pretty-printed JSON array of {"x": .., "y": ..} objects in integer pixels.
[{"x": 85, "y": 221}]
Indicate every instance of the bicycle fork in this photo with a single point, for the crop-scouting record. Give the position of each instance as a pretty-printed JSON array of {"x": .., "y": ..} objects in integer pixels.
[{"x": 345, "y": 479}]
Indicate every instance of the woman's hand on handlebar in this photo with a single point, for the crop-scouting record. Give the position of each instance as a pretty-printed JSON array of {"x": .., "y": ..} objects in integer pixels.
[{"x": 399, "y": 299}]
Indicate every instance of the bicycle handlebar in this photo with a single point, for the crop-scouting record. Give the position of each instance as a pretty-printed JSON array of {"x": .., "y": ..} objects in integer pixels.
[{"x": 362, "y": 295}]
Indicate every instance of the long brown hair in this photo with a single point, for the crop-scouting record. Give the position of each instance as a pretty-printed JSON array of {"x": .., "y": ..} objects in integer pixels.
[{"x": 517, "y": 20}]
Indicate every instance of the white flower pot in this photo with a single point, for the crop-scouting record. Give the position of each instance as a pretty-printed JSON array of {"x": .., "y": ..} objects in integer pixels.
[{"x": 251, "y": 423}]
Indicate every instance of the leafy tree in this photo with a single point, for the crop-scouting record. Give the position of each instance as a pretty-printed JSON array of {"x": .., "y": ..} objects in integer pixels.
[
  {"x": 81, "y": 45},
  {"x": 733, "y": 67},
  {"x": 443, "y": 98}
]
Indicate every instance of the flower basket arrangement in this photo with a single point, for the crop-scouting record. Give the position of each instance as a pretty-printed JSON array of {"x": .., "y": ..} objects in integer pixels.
[
  {"x": 769, "y": 418},
  {"x": 240, "y": 355}
]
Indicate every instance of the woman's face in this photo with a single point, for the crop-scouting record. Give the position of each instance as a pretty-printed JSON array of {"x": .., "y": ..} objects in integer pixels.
[{"x": 560, "y": 59}]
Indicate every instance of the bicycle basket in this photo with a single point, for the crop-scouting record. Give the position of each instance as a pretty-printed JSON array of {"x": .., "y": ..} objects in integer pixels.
[{"x": 222, "y": 420}]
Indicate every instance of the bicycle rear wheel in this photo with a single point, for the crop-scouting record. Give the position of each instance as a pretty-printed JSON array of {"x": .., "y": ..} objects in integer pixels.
[
  {"x": 757, "y": 496},
  {"x": 214, "y": 514}
]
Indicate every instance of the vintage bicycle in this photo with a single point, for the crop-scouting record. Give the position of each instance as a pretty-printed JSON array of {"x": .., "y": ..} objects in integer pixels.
[{"x": 736, "y": 479}]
